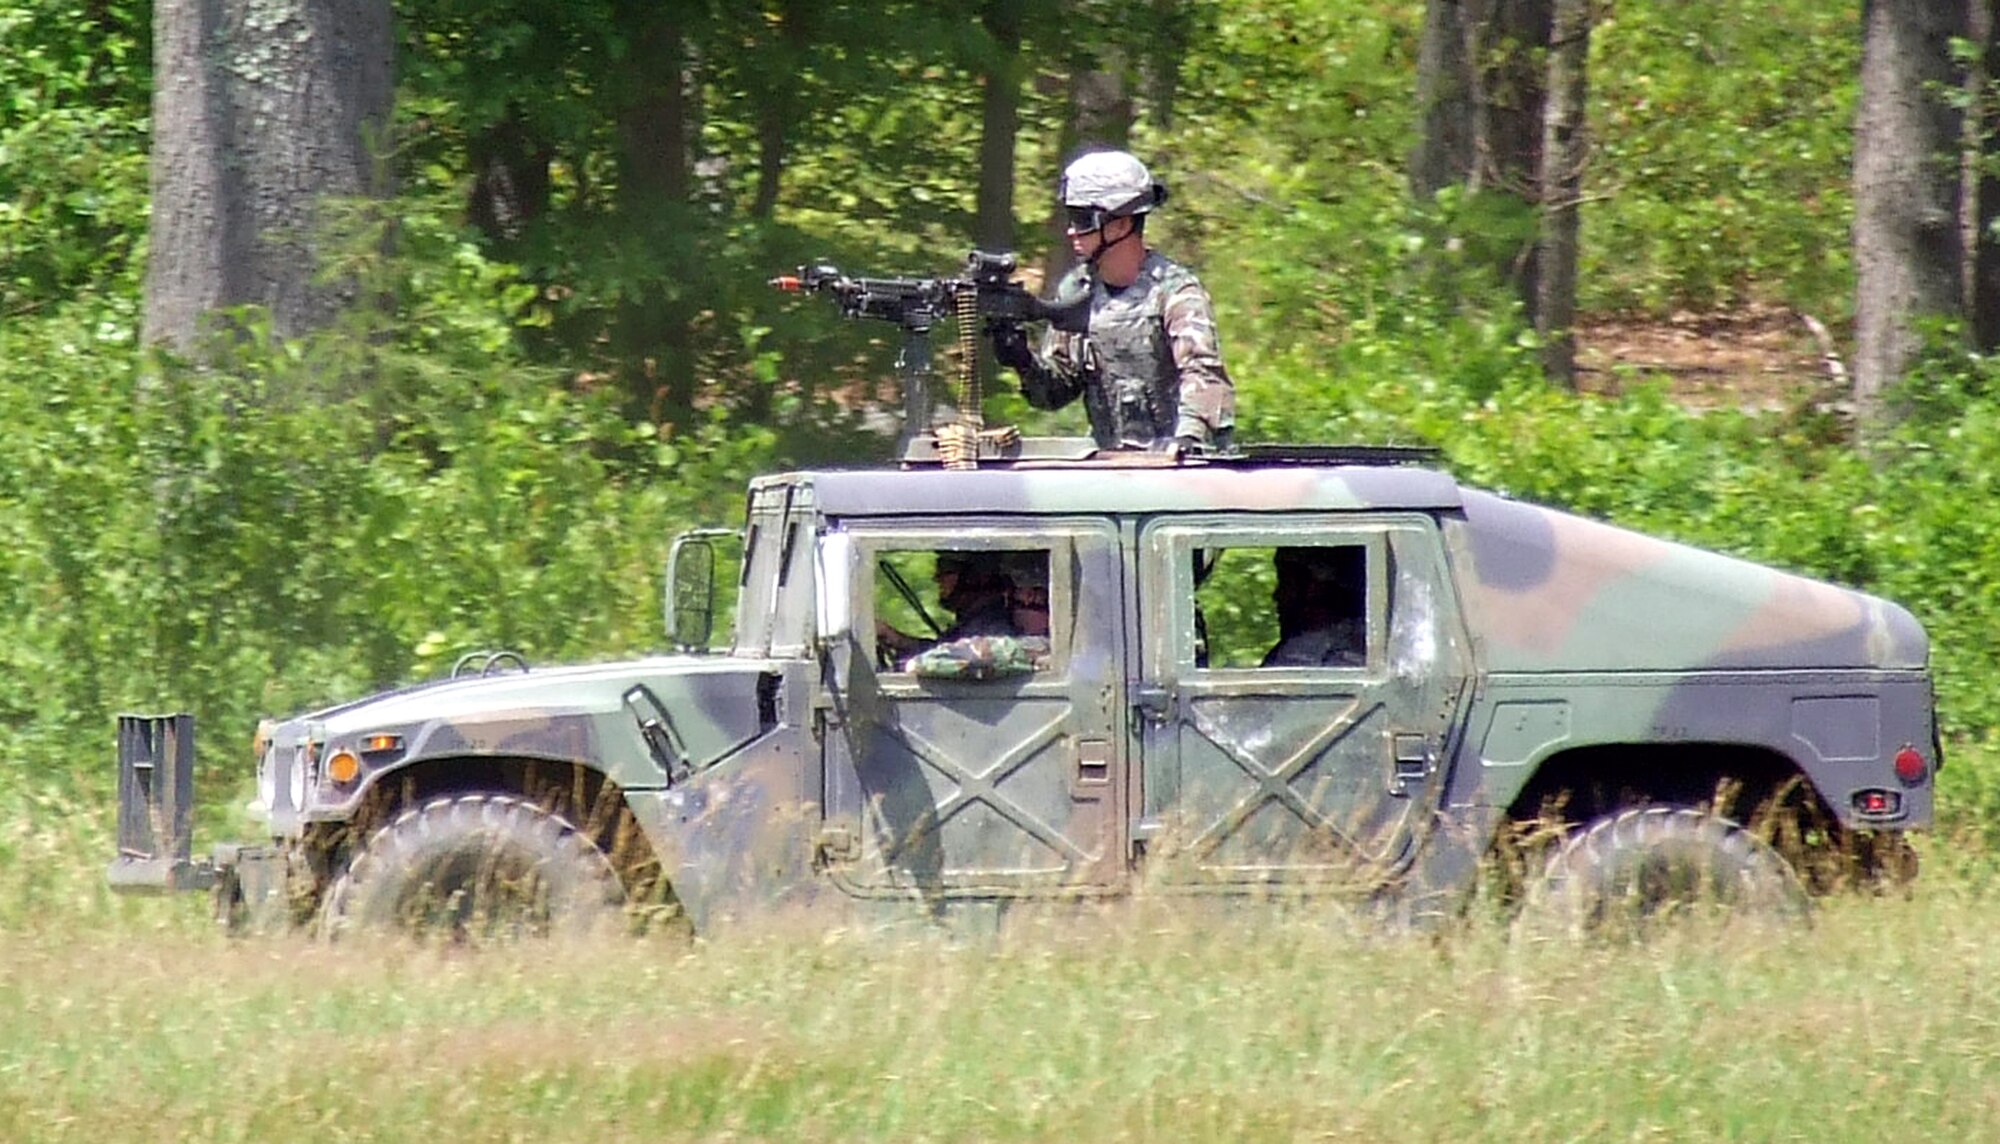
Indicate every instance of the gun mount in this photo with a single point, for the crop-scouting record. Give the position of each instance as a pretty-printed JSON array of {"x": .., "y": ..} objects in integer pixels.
[{"x": 984, "y": 298}]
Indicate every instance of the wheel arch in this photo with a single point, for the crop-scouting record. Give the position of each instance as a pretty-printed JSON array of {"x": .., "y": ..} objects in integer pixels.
[
  {"x": 577, "y": 789},
  {"x": 1751, "y": 784},
  {"x": 1735, "y": 780}
]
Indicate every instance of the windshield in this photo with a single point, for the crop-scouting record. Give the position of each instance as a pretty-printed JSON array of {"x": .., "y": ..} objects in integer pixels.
[{"x": 774, "y": 604}]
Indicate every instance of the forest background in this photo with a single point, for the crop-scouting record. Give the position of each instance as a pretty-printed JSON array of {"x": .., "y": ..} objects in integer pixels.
[
  {"x": 549, "y": 354},
  {"x": 529, "y": 391}
]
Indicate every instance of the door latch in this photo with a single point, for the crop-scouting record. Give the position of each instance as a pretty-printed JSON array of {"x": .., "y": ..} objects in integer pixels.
[
  {"x": 1412, "y": 763},
  {"x": 1093, "y": 763},
  {"x": 835, "y": 845}
]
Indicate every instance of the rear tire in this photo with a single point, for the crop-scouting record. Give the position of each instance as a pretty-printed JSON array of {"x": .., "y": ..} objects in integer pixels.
[
  {"x": 477, "y": 867},
  {"x": 1628, "y": 873}
]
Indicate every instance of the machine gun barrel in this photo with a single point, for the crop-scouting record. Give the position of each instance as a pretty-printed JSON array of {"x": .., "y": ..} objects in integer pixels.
[{"x": 917, "y": 303}]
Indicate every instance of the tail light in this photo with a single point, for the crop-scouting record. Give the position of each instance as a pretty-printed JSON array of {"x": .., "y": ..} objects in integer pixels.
[
  {"x": 1875, "y": 804},
  {"x": 1911, "y": 766}
]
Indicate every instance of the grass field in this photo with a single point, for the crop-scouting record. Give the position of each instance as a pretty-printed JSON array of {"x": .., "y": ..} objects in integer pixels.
[
  {"x": 131, "y": 1020},
  {"x": 1880, "y": 1021}
]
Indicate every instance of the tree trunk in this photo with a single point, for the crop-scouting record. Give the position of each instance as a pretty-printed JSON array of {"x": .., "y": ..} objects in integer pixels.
[
  {"x": 1906, "y": 194},
  {"x": 1000, "y": 123},
  {"x": 652, "y": 333},
  {"x": 1444, "y": 154},
  {"x": 1985, "y": 247},
  {"x": 1172, "y": 31},
  {"x": 654, "y": 162},
  {"x": 1481, "y": 66},
  {"x": 261, "y": 110},
  {"x": 1100, "y": 115},
  {"x": 778, "y": 102},
  {"x": 510, "y": 179},
  {"x": 1565, "y": 150},
  {"x": 1511, "y": 37}
]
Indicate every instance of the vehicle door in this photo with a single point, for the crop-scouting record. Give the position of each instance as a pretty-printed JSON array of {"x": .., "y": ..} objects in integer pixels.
[
  {"x": 1318, "y": 768},
  {"x": 943, "y": 782}
]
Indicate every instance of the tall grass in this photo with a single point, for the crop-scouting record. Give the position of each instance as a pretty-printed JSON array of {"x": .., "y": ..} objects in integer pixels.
[
  {"x": 1877, "y": 1022},
  {"x": 135, "y": 1019}
]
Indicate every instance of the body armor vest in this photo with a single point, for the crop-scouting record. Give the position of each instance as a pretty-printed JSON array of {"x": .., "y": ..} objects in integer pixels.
[{"x": 1131, "y": 389}]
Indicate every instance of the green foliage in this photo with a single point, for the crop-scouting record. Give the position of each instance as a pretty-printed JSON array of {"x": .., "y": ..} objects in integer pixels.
[
  {"x": 264, "y": 532},
  {"x": 1235, "y": 601},
  {"x": 73, "y": 100},
  {"x": 1723, "y": 137}
]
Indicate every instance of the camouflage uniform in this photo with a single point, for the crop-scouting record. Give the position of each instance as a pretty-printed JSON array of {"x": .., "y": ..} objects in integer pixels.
[
  {"x": 1150, "y": 367},
  {"x": 981, "y": 657}
]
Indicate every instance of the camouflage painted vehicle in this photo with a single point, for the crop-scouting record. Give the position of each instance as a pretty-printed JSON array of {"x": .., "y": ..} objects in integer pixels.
[{"x": 1664, "y": 708}]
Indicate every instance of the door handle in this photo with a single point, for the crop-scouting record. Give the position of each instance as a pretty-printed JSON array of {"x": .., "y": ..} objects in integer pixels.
[
  {"x": 1412, "y": 763},
  {"x": 1093, "y": 762}
]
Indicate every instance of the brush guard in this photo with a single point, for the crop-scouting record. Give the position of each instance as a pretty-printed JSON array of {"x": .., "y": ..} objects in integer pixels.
[{"x": 156, "y": 807}]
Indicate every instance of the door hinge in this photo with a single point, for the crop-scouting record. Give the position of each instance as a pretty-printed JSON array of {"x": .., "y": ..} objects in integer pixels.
[
  {"x": 825, "y": 713},
  {"x": 836, "y": 844},
  {"x": 1153, "y": 704}
]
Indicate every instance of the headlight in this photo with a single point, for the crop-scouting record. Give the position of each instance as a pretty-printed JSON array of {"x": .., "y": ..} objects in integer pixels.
[
  {"x": 304, "y": 761},
  {"x": 267, "y": 779}
]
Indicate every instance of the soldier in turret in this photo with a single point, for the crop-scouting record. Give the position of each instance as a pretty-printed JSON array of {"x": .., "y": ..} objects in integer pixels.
[{"x": 1148, "y": 367}]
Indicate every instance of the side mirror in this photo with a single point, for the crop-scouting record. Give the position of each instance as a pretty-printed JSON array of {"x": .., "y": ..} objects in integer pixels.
[
  {"x": 690, "y": 594},
  {"x": 833, "y": 583}
]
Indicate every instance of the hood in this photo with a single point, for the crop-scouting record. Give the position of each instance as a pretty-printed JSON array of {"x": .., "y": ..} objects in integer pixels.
[
  {"x": 1549, "y": 591},
  {"x": 567, "y": 712}
]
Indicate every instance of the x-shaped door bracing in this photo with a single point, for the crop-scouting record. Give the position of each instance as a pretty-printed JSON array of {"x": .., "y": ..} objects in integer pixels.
[
  {"x": 1275, "y": 784},
  {"x": 983, "y": 787}
]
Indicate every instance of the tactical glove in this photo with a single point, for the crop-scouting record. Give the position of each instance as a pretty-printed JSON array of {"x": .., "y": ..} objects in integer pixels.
[{"x": 1010, "y": 346}]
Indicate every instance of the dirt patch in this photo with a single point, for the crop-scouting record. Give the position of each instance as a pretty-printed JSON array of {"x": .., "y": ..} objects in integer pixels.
[{"x": 1758, "y": 357}]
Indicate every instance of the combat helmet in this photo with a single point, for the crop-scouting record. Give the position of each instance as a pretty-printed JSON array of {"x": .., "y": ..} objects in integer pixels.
[{"x": 1104, "y": 185}]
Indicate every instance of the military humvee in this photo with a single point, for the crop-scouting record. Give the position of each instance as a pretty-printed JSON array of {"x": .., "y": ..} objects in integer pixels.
[{"x": 1492, "y": 664}]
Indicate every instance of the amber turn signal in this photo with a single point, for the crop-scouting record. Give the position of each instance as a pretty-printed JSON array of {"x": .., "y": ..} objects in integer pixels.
[{"x": 343, "y": 766}]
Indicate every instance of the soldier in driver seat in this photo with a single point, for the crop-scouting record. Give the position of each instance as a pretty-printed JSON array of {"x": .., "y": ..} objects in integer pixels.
[
  {"x": 974, "y": 590},
  {"x": 999, "y": 636}
]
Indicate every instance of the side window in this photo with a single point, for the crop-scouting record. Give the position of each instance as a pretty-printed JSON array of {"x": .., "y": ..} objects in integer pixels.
[
  {"x": 1275, "y": 606},
  {"x": 941, "y": 611}
]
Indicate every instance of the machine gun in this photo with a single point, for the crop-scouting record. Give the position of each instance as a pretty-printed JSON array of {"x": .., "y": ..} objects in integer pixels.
[
  {"x": 987, "y": 292},
  {"x": 917, "y": 303}
]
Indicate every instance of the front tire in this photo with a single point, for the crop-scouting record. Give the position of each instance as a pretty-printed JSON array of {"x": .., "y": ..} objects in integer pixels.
[
  {"x": 1628, "y": 872},
  {"x": 477, "y": 867}
]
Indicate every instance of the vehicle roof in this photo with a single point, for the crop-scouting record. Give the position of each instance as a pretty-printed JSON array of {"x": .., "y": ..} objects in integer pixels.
[{"x": 1088, "y": 488}]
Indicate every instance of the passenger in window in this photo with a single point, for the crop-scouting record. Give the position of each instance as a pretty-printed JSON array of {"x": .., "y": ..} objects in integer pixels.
[
  {"x": 974, "y": 588},
  {"x": 1029, "y": 607},
  {"x": 991, "y": 649},
  {"x": 1321, "y": 600}
]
